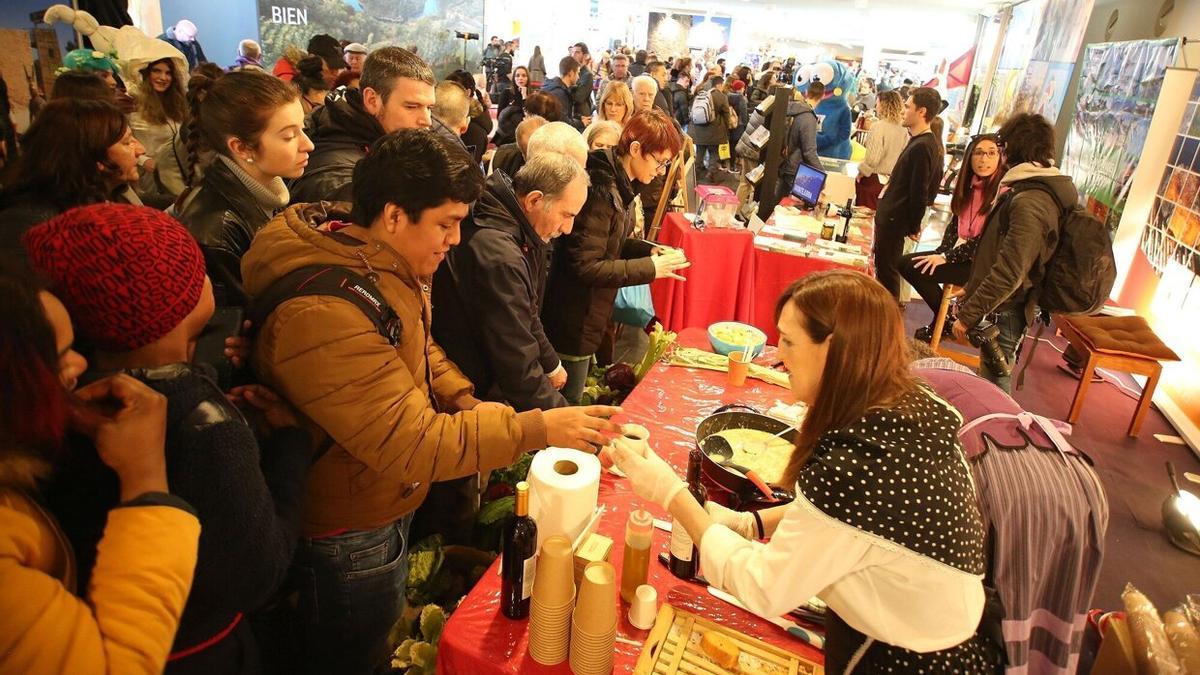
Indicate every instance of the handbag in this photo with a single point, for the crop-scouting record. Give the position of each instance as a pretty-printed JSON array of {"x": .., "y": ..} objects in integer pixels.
[{"x": 633, "y": 306}]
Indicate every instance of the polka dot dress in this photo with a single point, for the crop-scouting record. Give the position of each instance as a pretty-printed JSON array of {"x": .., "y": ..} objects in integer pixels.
[{"x": 898, "y": 474}]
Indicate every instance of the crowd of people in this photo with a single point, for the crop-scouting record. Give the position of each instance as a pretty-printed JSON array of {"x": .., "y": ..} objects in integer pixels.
[{"x": 253, "y": 316}]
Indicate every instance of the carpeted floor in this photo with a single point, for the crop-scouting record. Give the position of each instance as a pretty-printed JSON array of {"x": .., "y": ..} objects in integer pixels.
[{"x": 1132, "y": 470}]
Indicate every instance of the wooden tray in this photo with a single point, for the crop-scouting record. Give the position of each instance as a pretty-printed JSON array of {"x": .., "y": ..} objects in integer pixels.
[{"x": 674, "y": 647}]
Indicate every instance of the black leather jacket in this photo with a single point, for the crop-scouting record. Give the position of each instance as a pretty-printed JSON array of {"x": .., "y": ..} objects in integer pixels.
[{"x": 224, "y": 217}]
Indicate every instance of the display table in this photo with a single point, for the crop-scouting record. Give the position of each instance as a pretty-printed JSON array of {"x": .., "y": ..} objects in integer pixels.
[
  {"x": 718, "y": 284},
  {"x": 670, "y": 402},
  {"x": 773, "y": 273}
]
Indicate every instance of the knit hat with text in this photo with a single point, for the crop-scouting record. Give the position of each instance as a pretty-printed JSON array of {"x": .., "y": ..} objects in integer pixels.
[{"x": 128, "y": 275}]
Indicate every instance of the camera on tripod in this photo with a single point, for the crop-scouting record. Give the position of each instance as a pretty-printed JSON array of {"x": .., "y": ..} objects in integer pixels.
[{"x": 983, "y": 337}]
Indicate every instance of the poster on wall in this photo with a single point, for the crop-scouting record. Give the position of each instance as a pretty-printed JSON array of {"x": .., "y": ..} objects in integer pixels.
[
  {"x": 1171, "y": 240},
  {"x": 428, "y": 25},
  {"x": 1118, "y": 89},
  {"x": 1038, "y": 59}
]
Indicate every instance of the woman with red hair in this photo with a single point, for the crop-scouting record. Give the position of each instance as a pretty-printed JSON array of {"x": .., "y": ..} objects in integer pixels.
[
  {"x": 125, "y": 620},
  {"x": 605, "y": 251}
]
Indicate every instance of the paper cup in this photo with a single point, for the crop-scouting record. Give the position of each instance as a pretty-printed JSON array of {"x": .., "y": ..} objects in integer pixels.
[
  {"x": 739, "y": 367},
  {"x": 644, "y": 609},
  {"x": 634, "y": 437},
  {"x": 554, "y": 581},
  {"x": 596, "y": 604},
  {"x": 592, "y": 656}
]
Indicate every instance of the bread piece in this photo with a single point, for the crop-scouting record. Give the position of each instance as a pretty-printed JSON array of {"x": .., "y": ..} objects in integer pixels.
[{"x": 720, "y": 649}]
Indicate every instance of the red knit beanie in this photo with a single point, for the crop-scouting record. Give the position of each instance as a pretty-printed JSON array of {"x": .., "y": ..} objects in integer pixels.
[
  {"x": 127, "y": 274},
  {"x": 738, "y": 85}
]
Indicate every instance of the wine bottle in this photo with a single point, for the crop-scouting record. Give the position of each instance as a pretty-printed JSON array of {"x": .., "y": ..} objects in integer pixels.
[
  {"x": 845, "y": 235},
  {"x": 684, "y": 558},
  {"x": 517, "y": 564}
]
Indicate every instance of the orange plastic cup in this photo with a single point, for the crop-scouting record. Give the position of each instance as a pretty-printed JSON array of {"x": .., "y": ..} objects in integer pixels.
[{"x": 739, "y": 368}]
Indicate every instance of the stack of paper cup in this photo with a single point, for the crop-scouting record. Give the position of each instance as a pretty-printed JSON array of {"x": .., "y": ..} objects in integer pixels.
[
  {"x": 551, "y": 602},
  {"x": 594, "y": 624}
]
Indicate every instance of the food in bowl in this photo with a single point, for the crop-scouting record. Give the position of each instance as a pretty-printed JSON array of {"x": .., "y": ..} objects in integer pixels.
[
  {"x": 764, "y": 453},
  {"x": 731, "y": 336}
]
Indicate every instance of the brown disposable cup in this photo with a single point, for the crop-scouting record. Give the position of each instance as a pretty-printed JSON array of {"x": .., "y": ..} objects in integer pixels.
[
  {"x": 592, "y": 656},
  {"x": 739, "y": 367},
  {"x": 554, "y": 582},
  {"x": 596, "y": 603}
]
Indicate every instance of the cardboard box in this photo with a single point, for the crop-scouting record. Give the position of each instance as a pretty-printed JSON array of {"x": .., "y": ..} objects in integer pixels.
[{"x": 593, "y": 548}]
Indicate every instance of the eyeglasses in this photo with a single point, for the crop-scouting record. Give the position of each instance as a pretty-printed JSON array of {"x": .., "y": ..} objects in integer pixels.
[
  {"x": 661, "y": 164},
  {"x": 986, "y": 154}
]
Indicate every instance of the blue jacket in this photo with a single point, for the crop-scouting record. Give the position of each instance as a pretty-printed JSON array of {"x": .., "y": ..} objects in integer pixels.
[
  {"x": 554, "y": 86},
  {"x": 833, "y": 134}
]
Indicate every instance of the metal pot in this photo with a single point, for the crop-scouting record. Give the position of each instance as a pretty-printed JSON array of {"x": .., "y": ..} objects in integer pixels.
[{"x": 746, "y": 495}]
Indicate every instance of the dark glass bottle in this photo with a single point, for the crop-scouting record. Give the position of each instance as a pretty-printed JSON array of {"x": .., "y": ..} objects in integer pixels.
[
  {"x": 517, "y": 564},
  {"x": 684, "y": 558},
  {"x": 849, "y": 211}
]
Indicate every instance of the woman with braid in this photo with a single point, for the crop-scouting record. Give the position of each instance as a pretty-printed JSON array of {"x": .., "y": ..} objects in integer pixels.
[
  {"x": 175, "y": 172},
  {"x": 254, "y": 125}
]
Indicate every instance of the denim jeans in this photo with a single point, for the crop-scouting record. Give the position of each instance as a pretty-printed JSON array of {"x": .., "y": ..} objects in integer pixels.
[
  {"x": 577, "y": 373},
  {"x": 351, "y": 592},
  {"x": 1011, "y": 323}
]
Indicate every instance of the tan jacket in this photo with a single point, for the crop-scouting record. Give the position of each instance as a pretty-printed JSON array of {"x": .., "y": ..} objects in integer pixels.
[{"x": 399, "y": 417}]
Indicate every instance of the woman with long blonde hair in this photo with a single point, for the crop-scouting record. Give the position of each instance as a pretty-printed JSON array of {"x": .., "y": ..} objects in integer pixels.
[
  {"x": 885, "y": 141},
  {"x": 616, "y": 103}
]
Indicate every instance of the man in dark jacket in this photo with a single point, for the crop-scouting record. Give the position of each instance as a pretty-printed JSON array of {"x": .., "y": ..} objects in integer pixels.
[
  {"x": 710, "y": 137},
  {"x": 395, "y": 92},
  {"x": 681, "y": 98},
  {"x": 487, "y": 295},
  {"x": 581, "y": 93},
  {"x": 912, "y": 187},
  {"x": 801, "y": 145},
  {"x": 560, "y": 88},
  {"x": 638, "y": 67},
  {"x": 1019, "y": 238},
  {"x": 662, "y": 99},
  {"x": 182, "y": 36}
]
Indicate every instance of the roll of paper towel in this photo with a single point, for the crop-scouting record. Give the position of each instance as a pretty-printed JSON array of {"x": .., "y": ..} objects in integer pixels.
[{"x": 563, "y": 487}]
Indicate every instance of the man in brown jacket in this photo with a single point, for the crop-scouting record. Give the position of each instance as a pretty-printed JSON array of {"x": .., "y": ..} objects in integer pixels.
[{"x": 398, "y": 417}]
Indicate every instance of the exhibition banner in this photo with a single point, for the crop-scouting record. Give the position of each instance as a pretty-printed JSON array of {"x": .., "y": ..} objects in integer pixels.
[
  {"x": 428, "y": 25},
  {"x": 1172, "y": 235},
  {"x": 1037, "y": 60},
  {"x": 1118, "y": 90}
]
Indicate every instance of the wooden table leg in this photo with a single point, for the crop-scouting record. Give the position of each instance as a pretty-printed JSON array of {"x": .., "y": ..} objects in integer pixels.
[
  {"x": 1084, "y": 382},
  {"x": 1144, "y": 402}
]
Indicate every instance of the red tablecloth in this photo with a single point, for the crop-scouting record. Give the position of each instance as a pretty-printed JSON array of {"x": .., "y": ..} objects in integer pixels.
[
  {"x": 670, "y": 402},
  {"x": 718, "y": 284},
  {"x": 773, "y": 273}
]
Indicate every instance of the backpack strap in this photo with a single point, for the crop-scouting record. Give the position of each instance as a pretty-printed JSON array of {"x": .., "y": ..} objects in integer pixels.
[
  {"x": 331, "y": 280},
  {"x": 1042, "y": 320},
  {"x": 338, "y": 282}
]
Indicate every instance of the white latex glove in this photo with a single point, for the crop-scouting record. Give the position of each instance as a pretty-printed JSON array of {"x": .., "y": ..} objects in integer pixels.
[
  {"x": 738, "y": 521},
  {"x": 558, "y": 378},
  {"x": 653, "y": 479}
]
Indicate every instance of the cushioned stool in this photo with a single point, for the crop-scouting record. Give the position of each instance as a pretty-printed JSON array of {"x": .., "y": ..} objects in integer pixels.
[{"x": 1124, "y": 343}]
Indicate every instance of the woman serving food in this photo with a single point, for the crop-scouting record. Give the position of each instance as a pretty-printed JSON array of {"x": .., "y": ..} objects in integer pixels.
[{"x": 884, "y": 526}]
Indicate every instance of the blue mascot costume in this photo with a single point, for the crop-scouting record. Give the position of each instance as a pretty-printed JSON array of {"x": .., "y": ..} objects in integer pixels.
[{"x": 833, "y": 112}]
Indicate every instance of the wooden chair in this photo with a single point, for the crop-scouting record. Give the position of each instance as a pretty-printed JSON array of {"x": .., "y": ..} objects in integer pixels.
[
  {"x": 949, "y": 293},
  {"x": 1125, "y": 343}
]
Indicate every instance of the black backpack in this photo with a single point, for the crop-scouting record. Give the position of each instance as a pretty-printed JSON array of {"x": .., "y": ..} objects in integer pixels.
[{"x": 1080, "y": 274}]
